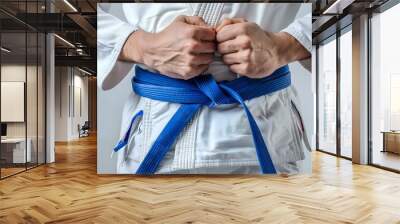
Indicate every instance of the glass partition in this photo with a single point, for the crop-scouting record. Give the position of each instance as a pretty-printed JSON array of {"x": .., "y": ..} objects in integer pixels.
[
  {"x": 327, "y": 96},
  {"x": 32, "y": 96},
  {"x": 14, "y": 145},
  {"x": 22, "y": 88}
]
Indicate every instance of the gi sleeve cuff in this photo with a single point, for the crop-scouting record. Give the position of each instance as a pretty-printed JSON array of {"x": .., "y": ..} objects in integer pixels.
[{"x": 111, "y": 71}]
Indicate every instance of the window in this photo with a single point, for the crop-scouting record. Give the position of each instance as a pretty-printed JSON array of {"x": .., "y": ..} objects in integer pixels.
[
  {"x": 346, "y": 92},
  {"x": 327, "y": 96},
  {"x": 385, "y": 89}
]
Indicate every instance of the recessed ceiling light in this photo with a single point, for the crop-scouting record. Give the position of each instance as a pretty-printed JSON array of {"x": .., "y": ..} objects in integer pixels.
[
  {"x": 70, "y": 5},
  {"x": 64, "y": 40},
  {"x": 84, "y": 71},
  {"x": 5, "y": 50},
  {"x": 338, "y": 6}
]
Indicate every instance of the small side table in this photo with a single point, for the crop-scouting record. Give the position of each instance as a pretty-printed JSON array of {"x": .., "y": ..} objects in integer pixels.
[{"x": 391, "y": 141}]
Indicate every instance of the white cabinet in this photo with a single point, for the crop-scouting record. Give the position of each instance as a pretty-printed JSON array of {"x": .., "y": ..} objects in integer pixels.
[{"x": 17, "y": 147}]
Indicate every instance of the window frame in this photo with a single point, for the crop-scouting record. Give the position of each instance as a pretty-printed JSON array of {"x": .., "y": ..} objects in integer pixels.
[{"x": 334, "y": 37}]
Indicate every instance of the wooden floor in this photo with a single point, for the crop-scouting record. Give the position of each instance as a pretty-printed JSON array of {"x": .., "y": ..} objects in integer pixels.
[
  {"x": 387, "y": 159},
  {"x": 70, "y": 191},
  {"x": 5, "y": 172}
]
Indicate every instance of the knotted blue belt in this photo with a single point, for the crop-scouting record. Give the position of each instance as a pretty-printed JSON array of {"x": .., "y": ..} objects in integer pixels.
[{"x": 201, "y": 91}]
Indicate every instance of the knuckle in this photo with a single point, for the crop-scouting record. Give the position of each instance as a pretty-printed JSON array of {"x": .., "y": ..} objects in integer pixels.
[
  {"x": 192, "y": 44},
  {"x": 188, "y": 72},
  {"x": 180, "y": 17},
  {"x": 243, "y": 28},
  {"x": 220, "y": 47},
  {"x": 190, "y": 59},
  {"x": 219, "y": 36},
  {"x": 247, "y": 68},
  {"x": 247, "y": 55},
  {"x": 190, "y": 31},
  {"x": 225, "y": 58},
  {"x": 247, "y": 26},
  {"x": 197, "y": 18},
  {"x": 186, "y": 77},
  {"x": 246, "y": 41},
  {"x": 208, "y": 59},
  {"x": 250, "y": 25},
  {"x": 232, "y": 47}
]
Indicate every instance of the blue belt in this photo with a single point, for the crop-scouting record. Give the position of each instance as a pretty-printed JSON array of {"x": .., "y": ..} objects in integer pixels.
[{"x": 201, "y": 91}]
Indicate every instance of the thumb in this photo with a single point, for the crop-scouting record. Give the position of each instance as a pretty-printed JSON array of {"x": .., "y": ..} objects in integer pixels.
[{"x": 230, "y": 21}]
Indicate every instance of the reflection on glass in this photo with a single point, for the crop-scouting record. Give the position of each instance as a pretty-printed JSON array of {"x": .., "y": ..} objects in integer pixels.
[
  {"x": 346, "y": 94},
  {"x": 22, "y": 90},
  {"x": 15, "y": 150},
  {"x": 385, "y": 84},
  {"x": 327, "y": 96}
]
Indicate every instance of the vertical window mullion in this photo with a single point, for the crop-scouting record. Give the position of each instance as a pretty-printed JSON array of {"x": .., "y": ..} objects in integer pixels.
[
  {"x": 338, "y": 73},
  {"x": 317, "y": 96},
  {"x": 0, "y": 91},
  {"x": 26, "y": 87},
  {"x": 369, "y": 77},
  {"x": 37, "y": 88}
]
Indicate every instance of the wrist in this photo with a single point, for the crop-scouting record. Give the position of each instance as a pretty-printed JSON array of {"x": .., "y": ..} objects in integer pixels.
[
  {"x": 288, "y": 48},
  {"x": 282, "y": 44},
  {"x": 135, "y": 47}
]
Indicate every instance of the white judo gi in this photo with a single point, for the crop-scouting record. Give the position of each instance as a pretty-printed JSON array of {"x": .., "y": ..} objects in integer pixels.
[{"x": 218, "y": 140}]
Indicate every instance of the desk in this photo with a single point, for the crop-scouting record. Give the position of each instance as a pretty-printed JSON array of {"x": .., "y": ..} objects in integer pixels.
[
  {"x": 13, "y": 150},
  {"x": 391, "y": 141}
]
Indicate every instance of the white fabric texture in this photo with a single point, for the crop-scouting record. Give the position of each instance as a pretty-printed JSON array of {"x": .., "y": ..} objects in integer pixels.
[{"x": 218, "y": 137}]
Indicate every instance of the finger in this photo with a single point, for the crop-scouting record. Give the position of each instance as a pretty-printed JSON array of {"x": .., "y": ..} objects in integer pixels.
[
  {"x": 201, "y": 59},
  {"x": 222, "y": 24},
  {"x": 194, "y": 20},
  {"x": 233, "y": 58},
  {"x": 238, "y": 68},
  {"x": 227, "y": 47},
  {"x": 202, "y": 47},
  {"x": 171, "y": 74},
  {"x": 230, "y": 46},
  {"x": 193, "y": 71},
  {"x": 229, "y": 32},
  {"x": 238, "y": 57},
  {"x": 204, "y": 33},
  {"x": 229, "y": 21},
  {"x": 201, "y": 68}
]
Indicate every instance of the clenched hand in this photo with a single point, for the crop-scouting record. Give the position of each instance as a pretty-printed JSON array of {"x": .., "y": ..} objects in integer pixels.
[
  {"x": 250, "y": 51},
  {"x": 182, "y": 50},
  {"x": 186, "y": 47}
]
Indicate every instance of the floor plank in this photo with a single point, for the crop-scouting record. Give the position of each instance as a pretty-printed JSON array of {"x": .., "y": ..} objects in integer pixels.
[{"x": 70, "y": 191}]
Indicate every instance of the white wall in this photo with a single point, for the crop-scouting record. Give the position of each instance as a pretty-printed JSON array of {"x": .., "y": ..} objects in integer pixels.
[
  {"x": 16, "y": 72},
  {"x": 69, "y": 82}
]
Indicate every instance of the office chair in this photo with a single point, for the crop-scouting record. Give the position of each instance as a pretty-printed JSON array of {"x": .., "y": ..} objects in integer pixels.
[{"x": 84, "y": 130}]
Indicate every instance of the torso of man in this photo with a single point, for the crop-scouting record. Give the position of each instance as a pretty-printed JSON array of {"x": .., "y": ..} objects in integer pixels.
[
  {"x": 217, "y": 138},
  {"x": 155, "y": 17}
]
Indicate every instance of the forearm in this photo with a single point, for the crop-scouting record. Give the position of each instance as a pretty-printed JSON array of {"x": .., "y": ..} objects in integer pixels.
[{"x": 289, "y": 48}]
